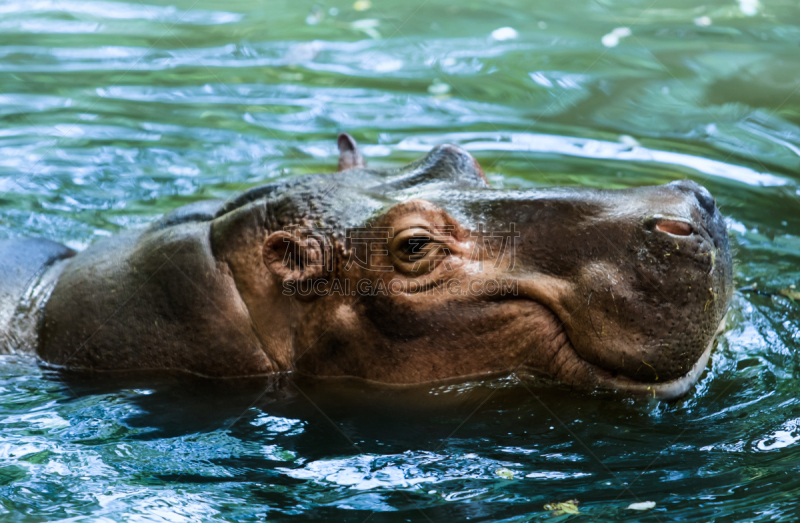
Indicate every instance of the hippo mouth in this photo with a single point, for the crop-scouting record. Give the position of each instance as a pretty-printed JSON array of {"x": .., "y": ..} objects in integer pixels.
[
  {"x": 571, "y": 368},
  {"x": 667, "y": 390}
]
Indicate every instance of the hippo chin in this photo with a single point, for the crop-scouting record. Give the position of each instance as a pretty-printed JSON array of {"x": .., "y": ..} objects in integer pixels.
[{"x": 400, "y": 276}]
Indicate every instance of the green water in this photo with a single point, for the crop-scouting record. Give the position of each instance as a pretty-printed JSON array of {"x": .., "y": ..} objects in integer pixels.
[{"x": 115, "y": 112}]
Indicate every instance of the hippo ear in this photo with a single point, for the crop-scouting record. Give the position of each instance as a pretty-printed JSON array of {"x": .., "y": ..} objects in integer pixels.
[
  {"x": 292, "y": 259},
  {"x": 349, "y": 157}
]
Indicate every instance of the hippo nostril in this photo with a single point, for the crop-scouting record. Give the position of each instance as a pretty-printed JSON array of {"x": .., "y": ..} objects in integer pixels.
[
  {"x": 674, "y": 227},
  {"x": 705, "y": 200}
]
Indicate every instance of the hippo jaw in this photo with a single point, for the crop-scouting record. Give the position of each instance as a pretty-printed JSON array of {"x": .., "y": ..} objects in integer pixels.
[
  {"x": 668, "y": 390},
  {"x": 574, "y": 369},
  {"x": 620, "y": 289}
]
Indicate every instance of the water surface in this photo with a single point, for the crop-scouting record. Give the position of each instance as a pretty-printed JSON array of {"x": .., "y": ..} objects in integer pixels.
[{"x": 115, "y": 112}]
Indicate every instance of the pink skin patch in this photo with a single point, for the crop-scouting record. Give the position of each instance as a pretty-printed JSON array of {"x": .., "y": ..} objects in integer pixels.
[{"x": 675, "y": 227}]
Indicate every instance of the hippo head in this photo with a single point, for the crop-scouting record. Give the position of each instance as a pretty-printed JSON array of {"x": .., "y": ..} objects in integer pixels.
[{"x": 426, "y": 272}]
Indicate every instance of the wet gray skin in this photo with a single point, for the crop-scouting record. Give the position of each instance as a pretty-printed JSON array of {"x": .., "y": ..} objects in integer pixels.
[{"x": 398, "y": 276}]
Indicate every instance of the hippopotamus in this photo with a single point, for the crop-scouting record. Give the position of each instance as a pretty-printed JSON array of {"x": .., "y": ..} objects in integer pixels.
[{"x": 402, "y": 275}]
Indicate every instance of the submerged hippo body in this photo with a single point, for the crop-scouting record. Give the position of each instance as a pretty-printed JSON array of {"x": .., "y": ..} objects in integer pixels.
[{"x": 400, "y": 276}]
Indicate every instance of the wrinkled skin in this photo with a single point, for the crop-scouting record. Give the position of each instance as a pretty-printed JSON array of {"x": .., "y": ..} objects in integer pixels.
[{"x": 621, "y": 289}]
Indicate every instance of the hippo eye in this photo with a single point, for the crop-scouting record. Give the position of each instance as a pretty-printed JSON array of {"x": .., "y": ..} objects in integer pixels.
[
  {"x": 413, "y": 250},
  {"x": 414, "y": 246}
]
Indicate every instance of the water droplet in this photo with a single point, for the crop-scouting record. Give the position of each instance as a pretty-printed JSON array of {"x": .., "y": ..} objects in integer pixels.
[
  {"x": 438, "y": 88},
  {"x": 642, "y": 505},
  {"x": 505, "y": 33},
  {"x": 613, "y": 38}
]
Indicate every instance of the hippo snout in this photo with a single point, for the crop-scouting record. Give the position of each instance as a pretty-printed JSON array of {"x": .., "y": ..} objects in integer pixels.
[
  {"x": 681, "y": 288},
  {"x": 690, "y": 277},
  {"x": 643, "y": 280}
]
